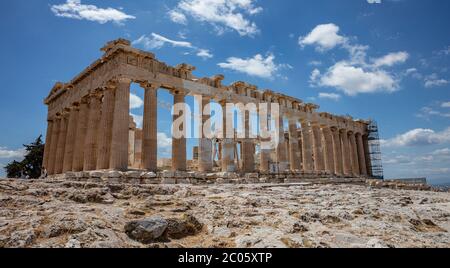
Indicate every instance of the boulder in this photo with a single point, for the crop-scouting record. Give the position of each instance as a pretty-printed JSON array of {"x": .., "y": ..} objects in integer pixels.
[
  {"x": 147, "y": 230},
  {"x": 188, "y": 225}
]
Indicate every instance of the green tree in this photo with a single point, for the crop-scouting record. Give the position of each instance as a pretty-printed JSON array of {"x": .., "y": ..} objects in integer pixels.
[{"x": 32, "y": 163}]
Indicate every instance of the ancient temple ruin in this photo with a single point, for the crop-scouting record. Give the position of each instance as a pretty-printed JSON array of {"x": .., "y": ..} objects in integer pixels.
[{"x": 89, "y": 127}]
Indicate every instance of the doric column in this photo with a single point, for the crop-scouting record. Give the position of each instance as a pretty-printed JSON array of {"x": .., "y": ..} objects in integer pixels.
[
  {"x": 91, "y": 141},
  {"x": 361, "y": 155},
  {"x": 179, "y": 144},
  {"x": 345, "y": 153},
  {"x": 205, "y": 161},
  {"x": 228, "y": 148},
  {"x": 329, "y": 152},
  {"x": 307, "y": 147},
  {"x": 150, "y": 128},
  {"x": 319, "y": 164},
  {"x": 294, "y": 154},
  {"x": 281, "y": 146},
  {"x": 61, "y": 144},
  {"x": 78, "y": 156},
  {"x": 337, "y": 153},
  {"x": 264, "y": 152},
  {"x": 54, "y": 146},
  {"x": 121, "y": 118},
  {"x": 105, "y": 129},
  {"x": 247, "y": 147},
  {"x": 70, "y": 139},
  {"x": 48, "y": 141},
  {"x": 367, "y": 155},
  {"x": 354, "y": 154}
]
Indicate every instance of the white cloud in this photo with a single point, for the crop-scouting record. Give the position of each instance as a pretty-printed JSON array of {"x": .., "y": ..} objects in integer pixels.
[
  {"x": 75, "y": 10},
  {"x": 325, "y": 36},
  {"x": 418, "y": 137},
  {"x": 354, "y": 80},
  {"x": 156, "y": 41},
  {"x": 10, "y": 154},
  {"x": 355, "y": 75},
  {"x": 163, "y": 140},
  {"x": 445, "y": 105},
  {"x": 374, "y": 1},
  {"x": 135, "y": 101},
  {"x": 427, "y": 112},
  {"x": 256, "y": 66},
  {"x": 204, "y": 53},
  {"x": 222, "y": 14},
  {"x": 177, "y": 17},
  {"x": 391, "y": 59},
  {"x": 330, "y": 96},
  {"x": 434, "y": 81}
]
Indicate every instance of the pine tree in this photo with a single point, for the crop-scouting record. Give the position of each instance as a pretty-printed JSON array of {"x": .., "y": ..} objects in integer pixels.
[{"x": 32, "y": 163}]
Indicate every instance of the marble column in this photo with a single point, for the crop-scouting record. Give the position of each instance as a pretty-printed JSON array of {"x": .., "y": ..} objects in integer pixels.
[
  {"x": 337, "y": 153},
  {"x": 228, "y": 148},
  {"x": 361, "y": 155},
  {"x": 319, "y": 164},
  {"x": 329, "y": 152},
  {"x": 61, "y": 144},
  {"x": 105, "y": 129},
  {"x": 54, "y": 145},
  {"x": 294, "y": 154},
  {"x": 121, "y": 120},
  {"x": 367, "y": 155},
  {"x": 345, "y": 153},
  {"x": 150, "y": 128},
  {"x": 91, "y": 142},
  {"x": 354, "y": 154},
  {"x": 264, "y": 152},
  {"x": 78, "y": 155},
  {"x": 247, "y": 147},
  {"x": 281, "y": 146},
  {"x": 48, "y": 141},
  {"x": 179, "y": 144},
  {"x": 307, "y": 147},
  {"x": 205, "y": 162},
  {"x": 70, "y": 139}
]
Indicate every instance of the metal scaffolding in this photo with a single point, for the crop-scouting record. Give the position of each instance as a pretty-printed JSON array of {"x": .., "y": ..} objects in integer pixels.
[{"x": 376, "y": 163}]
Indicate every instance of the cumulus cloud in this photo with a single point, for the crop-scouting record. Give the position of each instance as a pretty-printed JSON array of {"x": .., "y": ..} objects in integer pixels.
[
  {"x": 418, "y": 137},
  {"x": 259, "y": 66},
  {"x": 330, "y": 96},
  {"x": 374, "y": 1},
  {"x": 73, "y": 9},
  {"x": 355, "y": 75},
  {"x": 354, "y": 80},
  {"x": 135, "y": 101},
  {"x": 391, "y": 59},
  {"x": 325, "y": 36},
  {"x": 6, "y": 153},
  {"x": 222, "y": 14},
  {"x": 156, "y": 41},
  {"x": 204, "y": 53},
  {"x": 163, "y": 140}
]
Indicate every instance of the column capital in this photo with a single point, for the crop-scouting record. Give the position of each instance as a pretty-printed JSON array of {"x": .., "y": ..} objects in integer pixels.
[
  {"x": 178, "y": 91},
  {"x": 149, "y": 86}
]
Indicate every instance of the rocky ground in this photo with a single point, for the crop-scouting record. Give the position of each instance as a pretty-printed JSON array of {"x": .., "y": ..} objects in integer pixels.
[{"x": 87, "y": 214}]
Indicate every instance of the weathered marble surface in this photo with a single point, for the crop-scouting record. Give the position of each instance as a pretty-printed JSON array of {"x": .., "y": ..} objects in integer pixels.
[{"x": 86, "y": 214}]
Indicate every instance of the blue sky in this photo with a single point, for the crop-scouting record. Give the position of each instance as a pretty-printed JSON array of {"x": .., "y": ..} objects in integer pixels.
[{"x": 381, "y": 59}]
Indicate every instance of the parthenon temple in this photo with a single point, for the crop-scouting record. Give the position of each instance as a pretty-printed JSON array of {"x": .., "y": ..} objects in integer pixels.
[{"x": 89, "y": 127}]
